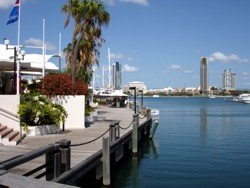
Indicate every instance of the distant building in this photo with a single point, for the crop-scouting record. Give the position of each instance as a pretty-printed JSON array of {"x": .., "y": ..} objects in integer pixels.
[
  {"x": 117, "y": 76},
  {"x": 203, "y": 75},
  {"x": 228, "y": 80}
]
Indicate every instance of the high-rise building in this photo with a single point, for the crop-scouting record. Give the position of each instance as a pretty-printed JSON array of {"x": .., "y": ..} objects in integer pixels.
[
  {"x": 229, "y": 80},
  {"x": 117, "y": 76},
  {"x": 203, "y": 76}
]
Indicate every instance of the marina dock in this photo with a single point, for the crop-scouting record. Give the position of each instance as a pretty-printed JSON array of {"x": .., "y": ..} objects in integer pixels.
[{"x": 81, "y": 152}]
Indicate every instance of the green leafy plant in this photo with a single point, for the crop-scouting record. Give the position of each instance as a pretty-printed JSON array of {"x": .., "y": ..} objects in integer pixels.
[
  {"x": 89, "y": 110},
  {"x": 35, "y": 109}
]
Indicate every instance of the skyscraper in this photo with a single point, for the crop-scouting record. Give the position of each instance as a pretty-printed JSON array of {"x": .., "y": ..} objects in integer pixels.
[
  {"x": 117, "y": 76},
  {"x": 203, "y": 76},
  {"x": 229, "y": 80}
]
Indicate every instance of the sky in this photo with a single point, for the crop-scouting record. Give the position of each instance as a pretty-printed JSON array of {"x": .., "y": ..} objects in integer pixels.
[{"x": 159, "y": 42}]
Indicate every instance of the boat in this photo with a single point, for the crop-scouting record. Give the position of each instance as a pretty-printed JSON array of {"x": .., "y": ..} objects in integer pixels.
[
  {"x": 156, "y": 96},
  {"x": 211, "y": 96},
  {"x": 155, "y": 114},
  {"x": 242, "y": 98},
  {"x": 246, "y": 99}
]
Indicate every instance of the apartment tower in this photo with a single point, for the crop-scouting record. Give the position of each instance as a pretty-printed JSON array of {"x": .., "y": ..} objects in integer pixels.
[
  {"x": 229, "y": 80},
  {"x": 117, "y": 76},
  {"x": 203, "y": 76}
]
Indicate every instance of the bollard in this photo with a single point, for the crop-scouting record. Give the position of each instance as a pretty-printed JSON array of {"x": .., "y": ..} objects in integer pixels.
[
  {"x": 135, "y": 134},
  {"x": 112, "y": 132},
  {"x": 53, "y": 167},
  {"x": 106, "y": 160},
  {"x": 65, "y": 154}
]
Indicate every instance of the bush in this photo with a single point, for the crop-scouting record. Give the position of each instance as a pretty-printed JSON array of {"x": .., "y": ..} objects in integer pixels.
[
  {"x": 61, "y": 84},
  {"x": 35, "y": 109}
]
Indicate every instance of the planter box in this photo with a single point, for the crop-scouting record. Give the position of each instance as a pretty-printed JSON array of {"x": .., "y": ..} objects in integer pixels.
[
  {"x": 75, "y": 107},
  {"x": 43, "y": 130}
]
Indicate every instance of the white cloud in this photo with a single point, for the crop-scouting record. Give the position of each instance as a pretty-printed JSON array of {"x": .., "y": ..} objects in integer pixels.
[
  {"x": 5, "y": 4},
  {"x": 188, "y": 71},
  {"x": 174, "y": 67},
  {"x": 37, "y": 42},
  {"x": 220, "y": 57},
  {"x": 110, "y": 2},
  {"x": 127, "y": 68},
  {"x": 140, "y": 2},
  {"x": 119, "y": 56},
  {"x": 245, "y": 74}
]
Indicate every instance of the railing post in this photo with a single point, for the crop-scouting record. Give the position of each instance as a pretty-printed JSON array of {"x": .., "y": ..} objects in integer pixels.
[
  {"x": 135, "y": 133},
  {"x": 112, "y": 132},
  {"x": 65, "y": 155},
  {"x": 106, "y": 160},
  {"x": 53, "y": 165}
]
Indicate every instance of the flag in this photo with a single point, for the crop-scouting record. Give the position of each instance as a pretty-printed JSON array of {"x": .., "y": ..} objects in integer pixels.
[{"x": 14, "y": 13}]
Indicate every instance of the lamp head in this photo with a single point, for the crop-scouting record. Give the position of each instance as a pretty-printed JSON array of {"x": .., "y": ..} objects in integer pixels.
[{"x": 6, "y": 42}]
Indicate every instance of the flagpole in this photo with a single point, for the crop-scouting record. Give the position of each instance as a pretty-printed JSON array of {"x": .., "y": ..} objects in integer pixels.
[
  {"x": 18, "y": 49},
  {"x": 43, "y": 72}
]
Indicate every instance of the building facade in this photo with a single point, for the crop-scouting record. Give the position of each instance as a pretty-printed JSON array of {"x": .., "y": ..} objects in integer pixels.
[
  {"x": 117, "y": 76},
  {"x": 203, "y": 75},
  {"x": 228, "y": 80}
]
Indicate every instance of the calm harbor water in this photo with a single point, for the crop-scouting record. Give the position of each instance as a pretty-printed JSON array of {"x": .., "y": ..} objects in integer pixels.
[{"x": 200, "y": 142}]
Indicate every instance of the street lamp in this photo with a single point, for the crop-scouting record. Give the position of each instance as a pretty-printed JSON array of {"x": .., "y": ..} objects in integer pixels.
[
  {"x": 16, "y": 64},
  {"x": 134, "y": 88},
  {"x": 141, "y": 98}
]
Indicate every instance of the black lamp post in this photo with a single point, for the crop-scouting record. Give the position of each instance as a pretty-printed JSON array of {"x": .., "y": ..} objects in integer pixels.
[
  {"x": 15, "y": 57},
  {"x": 134, "y": 88},
  {"x": 141, "y": 98}
]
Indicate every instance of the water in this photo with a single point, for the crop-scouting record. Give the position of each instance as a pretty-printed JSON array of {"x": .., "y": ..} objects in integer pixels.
[{"x": 199, "y": 142}]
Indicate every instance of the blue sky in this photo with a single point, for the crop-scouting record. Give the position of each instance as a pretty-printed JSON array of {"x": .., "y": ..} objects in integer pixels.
[{"x": 159, "y": 42}]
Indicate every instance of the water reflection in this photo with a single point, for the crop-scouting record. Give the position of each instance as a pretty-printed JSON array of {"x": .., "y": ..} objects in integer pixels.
[
  {"x": 129, "y": 176},
  {"x": 203, "y": 125}
]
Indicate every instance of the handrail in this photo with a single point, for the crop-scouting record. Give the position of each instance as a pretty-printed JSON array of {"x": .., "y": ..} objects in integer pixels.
[
  {"x": 29, "y": 156},
  {"x": 8, "y": 112}
]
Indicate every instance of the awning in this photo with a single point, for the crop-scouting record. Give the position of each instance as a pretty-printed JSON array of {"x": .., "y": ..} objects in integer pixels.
[{"x": 31, "y": 62}]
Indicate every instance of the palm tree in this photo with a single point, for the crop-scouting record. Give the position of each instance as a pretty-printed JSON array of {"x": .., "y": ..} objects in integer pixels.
[{"x": 89, "y": 17}]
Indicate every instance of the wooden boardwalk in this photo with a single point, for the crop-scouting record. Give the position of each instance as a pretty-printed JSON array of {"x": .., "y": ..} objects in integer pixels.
[{"x": 79, "y": 153}]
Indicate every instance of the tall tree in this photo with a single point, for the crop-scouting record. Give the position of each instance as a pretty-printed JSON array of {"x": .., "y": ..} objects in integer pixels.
[{"x": 89, "y": 17}]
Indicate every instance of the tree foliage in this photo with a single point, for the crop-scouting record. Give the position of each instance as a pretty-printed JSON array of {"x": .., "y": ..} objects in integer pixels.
[
  {"x": 61, "y": 84},
  {"x": 89, "y": 17}
]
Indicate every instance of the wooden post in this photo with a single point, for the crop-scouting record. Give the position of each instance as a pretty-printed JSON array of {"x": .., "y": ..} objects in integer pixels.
[
  {"x": 154, "y": 127},
  {"x": 117, "y": 130},
  {"x": 135, "y": 134},
  {"x": 106, "y": 160},
  {"x": 112, "y": 131},
  {"x": 148, "y": 114},
  {"x": 65, "y": 155}
]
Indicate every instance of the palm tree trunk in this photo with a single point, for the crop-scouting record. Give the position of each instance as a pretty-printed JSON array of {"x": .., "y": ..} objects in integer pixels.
[{"x": 75, "y": 53}]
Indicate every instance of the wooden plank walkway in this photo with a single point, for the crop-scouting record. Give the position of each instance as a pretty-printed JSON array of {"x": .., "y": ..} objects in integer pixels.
[{"x": 79, "y": 153}]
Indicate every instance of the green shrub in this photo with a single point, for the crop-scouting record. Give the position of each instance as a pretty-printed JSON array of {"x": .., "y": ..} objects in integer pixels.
[
  {"x": 88, "y": 110},
  {"x": 35, "y": 109}
]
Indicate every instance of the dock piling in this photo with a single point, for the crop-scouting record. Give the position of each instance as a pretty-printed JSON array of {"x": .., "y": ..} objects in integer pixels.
[
  {"x": 154, "y": 127},
  {"x": 106, "y": 160},
  {"x": 135, "y": 133}
]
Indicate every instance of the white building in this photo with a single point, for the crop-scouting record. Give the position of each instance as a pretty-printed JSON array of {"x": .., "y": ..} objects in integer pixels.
[
  {"x": 229, "y": 80},
  {"x": 138, "y": 85}
]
